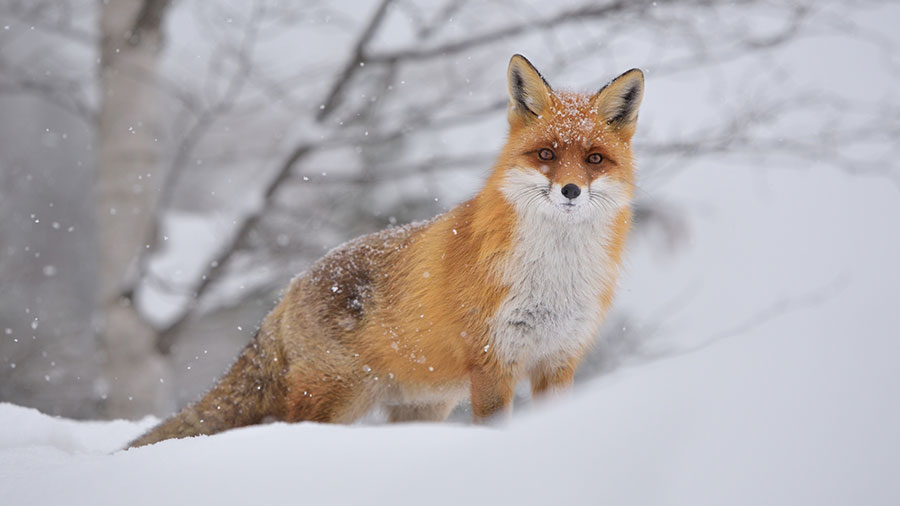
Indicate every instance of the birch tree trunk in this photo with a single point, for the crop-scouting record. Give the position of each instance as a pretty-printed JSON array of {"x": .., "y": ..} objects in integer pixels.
[{"x": 129, "y": 180}]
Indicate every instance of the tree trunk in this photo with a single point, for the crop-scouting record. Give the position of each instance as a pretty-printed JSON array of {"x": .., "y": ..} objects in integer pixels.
[{"x": 129, "y": 179}]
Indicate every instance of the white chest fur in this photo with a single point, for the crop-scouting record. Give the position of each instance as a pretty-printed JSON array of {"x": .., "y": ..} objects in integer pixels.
[
  {"x": 556, "y": 277},
  {"x": 557, "y": 272}
]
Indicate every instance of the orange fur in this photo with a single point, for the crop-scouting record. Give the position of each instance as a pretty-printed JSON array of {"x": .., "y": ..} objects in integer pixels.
[{"x": 407, "y": 318}]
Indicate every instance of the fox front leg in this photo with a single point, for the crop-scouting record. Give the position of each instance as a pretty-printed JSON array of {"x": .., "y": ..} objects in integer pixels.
[
  {"x": 492, "y": 394},
  {"x": 546, "y": 381}
]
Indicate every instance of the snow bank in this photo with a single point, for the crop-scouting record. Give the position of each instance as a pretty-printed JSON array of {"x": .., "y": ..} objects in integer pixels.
[{"x": 780, "y": 416}]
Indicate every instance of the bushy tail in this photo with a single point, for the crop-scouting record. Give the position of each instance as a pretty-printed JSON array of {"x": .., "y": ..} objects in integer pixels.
[{"x": 252, "y": 390}]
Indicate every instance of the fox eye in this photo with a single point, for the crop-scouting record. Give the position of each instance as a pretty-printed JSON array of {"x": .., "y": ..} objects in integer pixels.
[
  {"x": 594, "y": 158},
  {"x": 546, "y": 154}
]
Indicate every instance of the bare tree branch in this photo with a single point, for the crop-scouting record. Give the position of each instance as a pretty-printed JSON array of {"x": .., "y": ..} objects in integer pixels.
[
  {"x": 576, "y": 14},
  {"x": 195, "y": 133},
  {"x": 354, "y": 62},
  {"x": 149, "y": 18},
  {"x": 228, "y": 250}
]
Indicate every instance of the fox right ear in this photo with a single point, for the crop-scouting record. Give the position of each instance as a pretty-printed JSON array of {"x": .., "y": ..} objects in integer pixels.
[
  {"x": 529, "y": 93},
  {"x": 618, "y": 102}
]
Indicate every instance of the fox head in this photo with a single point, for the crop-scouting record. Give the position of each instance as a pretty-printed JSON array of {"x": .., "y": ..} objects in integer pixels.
[{"x": 568, "y": 154}]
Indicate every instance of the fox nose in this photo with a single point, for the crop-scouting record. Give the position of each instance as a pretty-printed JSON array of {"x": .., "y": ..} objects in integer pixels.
[{"x": 571, "y": 191}]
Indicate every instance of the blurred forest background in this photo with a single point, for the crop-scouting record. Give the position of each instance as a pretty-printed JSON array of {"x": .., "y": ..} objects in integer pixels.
[{"x": 167, "y": 166}]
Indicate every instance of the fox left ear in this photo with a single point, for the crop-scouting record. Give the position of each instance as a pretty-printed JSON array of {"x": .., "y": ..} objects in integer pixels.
[
  {"x": 618, "y": 102},
  {"x": 529, "y": 93}
]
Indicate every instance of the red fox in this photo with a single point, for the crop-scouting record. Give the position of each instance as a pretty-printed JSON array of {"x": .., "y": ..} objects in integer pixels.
[{"x": 510, "y": 285}]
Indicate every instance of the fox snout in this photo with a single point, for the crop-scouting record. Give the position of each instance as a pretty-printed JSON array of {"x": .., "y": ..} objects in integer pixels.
[
  {"x": 570, "y": 191},
  {"x": 567, "y": 196}
]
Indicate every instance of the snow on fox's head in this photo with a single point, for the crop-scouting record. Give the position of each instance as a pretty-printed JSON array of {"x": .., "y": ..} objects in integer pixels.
[{"x": 568, "y": 154}]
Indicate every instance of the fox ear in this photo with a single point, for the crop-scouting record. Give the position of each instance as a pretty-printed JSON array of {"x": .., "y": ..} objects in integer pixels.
[
  {"x": 618, "y": 102},
  {"x": 529, "y": 93}
]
